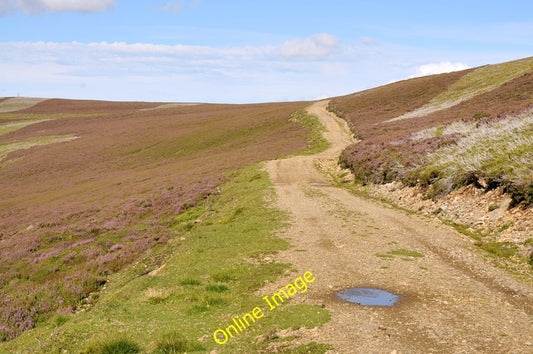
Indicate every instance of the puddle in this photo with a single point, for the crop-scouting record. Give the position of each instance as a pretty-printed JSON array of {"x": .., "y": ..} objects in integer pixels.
[
  {"x": 368, "y": 297},
  {"x": 319, "y": 184}
]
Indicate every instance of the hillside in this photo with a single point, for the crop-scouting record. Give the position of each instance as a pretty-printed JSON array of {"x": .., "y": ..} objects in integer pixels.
[
  {"x": 87, "y": 187},
  {"x": 160, "y": 227},
  {"x": 444, "y": 133}
]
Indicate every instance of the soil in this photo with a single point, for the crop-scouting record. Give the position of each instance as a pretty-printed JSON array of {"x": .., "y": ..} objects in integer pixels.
[
  {"x": 485, "y": 212},
  {"x": 453, "y": 300}
]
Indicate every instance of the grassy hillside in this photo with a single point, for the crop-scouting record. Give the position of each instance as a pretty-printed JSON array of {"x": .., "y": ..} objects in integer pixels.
[
  {"x": 173, "y": 299},
  {"x": 89, "y": 187},
  {"x": 408, "y": 127}
]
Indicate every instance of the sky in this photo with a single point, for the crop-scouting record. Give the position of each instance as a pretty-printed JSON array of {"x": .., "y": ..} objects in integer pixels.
[{"x": 231, "y": 51}]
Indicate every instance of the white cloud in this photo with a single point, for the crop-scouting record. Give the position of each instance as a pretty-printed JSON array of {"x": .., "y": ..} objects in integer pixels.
[
  {"x": 439, "y": 68},
  {"x": 5, "y": 7},
  {"x": 368, "y": 40},
  {"x": 240, "y": 74},
  {"x": 146, "y": 71},
  {"x": 314, "y": 47},
  {"x": 40, "y": 6}
]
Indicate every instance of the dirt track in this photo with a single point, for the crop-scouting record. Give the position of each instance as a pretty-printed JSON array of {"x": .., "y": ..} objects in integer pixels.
[{"x": 453, "y": 301}]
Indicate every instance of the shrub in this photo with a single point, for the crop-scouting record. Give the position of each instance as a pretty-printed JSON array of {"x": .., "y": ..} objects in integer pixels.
[
  {"x": 190, "y": 281},
  {"x": 116, "y": 346},
  {"x": 217, "y": 288},
  {"x": 174, "y": 342},
  {"x": 493, "y": 207}
]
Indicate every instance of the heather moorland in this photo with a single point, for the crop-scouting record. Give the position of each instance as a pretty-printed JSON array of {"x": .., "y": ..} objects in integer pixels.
[{"x": 147, "y": 227}]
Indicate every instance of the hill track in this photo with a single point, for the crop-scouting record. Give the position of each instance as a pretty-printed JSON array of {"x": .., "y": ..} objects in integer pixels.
[{"x": 453, "y": 301}]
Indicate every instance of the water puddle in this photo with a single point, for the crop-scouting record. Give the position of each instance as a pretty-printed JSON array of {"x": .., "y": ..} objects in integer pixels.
[
  {"x": 369, "y": 297},
  {"x": 319, "y": 184}
]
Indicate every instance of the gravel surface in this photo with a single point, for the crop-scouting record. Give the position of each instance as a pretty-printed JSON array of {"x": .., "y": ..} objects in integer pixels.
[{"x": 452, "y": 299}]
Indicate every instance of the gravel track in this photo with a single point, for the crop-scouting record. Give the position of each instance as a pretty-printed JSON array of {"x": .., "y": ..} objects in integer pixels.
[{"x": 453, "y": 300}]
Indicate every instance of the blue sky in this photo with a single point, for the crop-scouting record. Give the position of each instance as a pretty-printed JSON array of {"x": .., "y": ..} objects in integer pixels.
[{"x": 246, "y": 51}]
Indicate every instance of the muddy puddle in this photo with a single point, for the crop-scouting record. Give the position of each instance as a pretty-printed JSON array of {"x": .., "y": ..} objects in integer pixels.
[{"x": 368, "y": 297}]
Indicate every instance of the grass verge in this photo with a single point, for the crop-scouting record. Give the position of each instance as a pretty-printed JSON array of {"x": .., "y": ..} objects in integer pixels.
[
  {"x": 316, "y": 140},
  {"x": 211, "y": 271}
]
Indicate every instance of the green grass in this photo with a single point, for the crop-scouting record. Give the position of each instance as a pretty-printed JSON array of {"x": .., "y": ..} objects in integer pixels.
[
  {"x": 16, "y": 125},
  {"x": 116, "y": 346},
  {"x": 407, "y": 253},
  {"x": 174, "y": 342},
  {"x": 497, "y": 152},
  {"x": 493, "y": 207},
  {"x": 190, "y": 281},
  {"x": 483, "y": 79},
  {"x": 316, "y": 140},
  {"x": 499, "y": 249},
  {"x": 463, "y": 229},
  {"x": 479, "y": 81},
  {"x": 182, "y": 299},
  {"x": 217, "y": 288},
  {"x": 400, "y": 252},
  {"x": 384, "y": 256}
]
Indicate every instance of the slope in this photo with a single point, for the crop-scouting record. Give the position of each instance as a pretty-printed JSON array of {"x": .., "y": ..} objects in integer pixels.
[
  {"x": 86, "y": 187},
  {"x": 473, "y": 134}
]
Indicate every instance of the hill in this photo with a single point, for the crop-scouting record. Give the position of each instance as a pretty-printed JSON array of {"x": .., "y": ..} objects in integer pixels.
[
  {"x": 150, "y": 227},
  {"x": 88, "y": 187},
  {"x": 468, "y": 131}
]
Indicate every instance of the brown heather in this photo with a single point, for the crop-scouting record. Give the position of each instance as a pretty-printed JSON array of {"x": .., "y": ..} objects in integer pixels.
[
  {"x": 388, "y": 152},
  {"x": 72, "y": 213}
]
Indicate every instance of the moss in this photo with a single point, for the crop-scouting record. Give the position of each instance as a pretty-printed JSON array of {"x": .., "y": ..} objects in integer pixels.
[{"x": 499, "y": 249}]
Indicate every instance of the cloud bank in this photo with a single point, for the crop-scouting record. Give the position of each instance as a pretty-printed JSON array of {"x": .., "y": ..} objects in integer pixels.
[
  {"x": 439, "y": 68},
  {"x": 298, "y": 69},
  {"x": 314, "y": 47},
  {"x": 43, "y": 6},
  {"x": 161, "y": 72}
]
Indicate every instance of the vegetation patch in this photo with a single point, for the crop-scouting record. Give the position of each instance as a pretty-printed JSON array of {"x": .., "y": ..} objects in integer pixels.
[
  {"x": 407, "y": 253},
  {"x": 499, "y": 249},
  {"x": 484, "y": 138},
  {"x": 114, "y": 346},
  {"x": 72, "y": 215},
  {"x": 498, "y": 153},
  {"x": 179, "y": 307},
  {"x": 174, "y": 342},
  {"x": 479, "y": 81},
  {"x": 316, "y": 141},
  {"x": 6, "y": 149},
  {"x": 18, "y": 103}
]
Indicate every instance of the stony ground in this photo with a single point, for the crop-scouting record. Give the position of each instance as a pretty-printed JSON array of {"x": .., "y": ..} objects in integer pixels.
[
  {"x": 485, "y": 212},
  {"x": 452, "y": 299}
]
